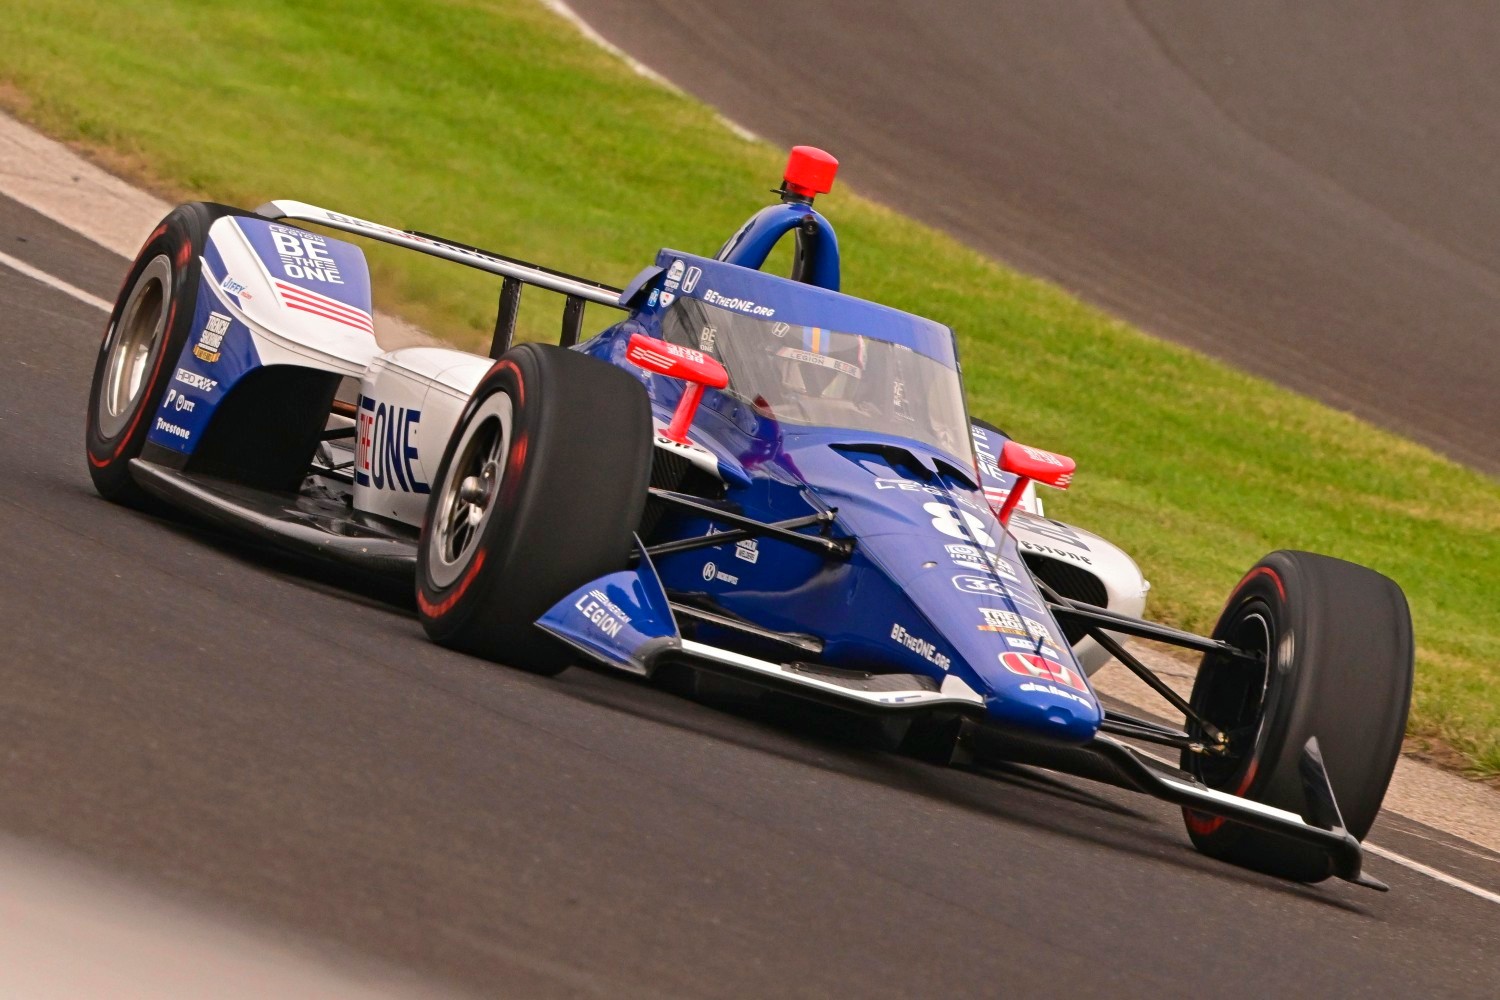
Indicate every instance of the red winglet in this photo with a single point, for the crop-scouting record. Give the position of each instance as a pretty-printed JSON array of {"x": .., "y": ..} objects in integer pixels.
[
  {"x": 1028, "y": 463},
  {"x": 674, "y": 360},
  {"x": 1034, "y": 463}
]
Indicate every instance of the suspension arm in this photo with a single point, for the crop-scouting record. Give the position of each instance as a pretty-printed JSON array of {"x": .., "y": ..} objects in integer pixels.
[
  {"x": 836, "y": 548},
  {"x": 1063, "y": 606}
]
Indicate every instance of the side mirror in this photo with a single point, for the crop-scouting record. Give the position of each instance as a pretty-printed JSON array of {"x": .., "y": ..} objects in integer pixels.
[
  {"x": 1026, "y": 464},
  {"x": 675, "y": 361}
]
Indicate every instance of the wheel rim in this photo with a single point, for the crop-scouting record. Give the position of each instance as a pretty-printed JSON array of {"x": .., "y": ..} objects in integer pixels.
[
  {"x": 134, "y": 342},
  {"x": 467, "y": 495},
  {"x": 1235, "y": 698}
]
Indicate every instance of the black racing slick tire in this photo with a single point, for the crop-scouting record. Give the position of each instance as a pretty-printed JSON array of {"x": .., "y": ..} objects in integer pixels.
[
  {"x": 147, "y": 329},
  {"x": 1338, "y": 648},
  {"x": 540, "y": 490}
]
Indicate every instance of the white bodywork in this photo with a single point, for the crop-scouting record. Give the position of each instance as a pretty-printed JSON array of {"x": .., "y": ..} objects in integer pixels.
[
  {"x": 1044, "y": 538},
  {"x": 410, "y": 402},
  {"x": 283, "y": 336}
]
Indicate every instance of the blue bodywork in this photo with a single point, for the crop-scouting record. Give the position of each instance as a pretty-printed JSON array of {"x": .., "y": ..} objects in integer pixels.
[
  {"x": 934, "y": 585},
  {"x": 220, "y": 350}
]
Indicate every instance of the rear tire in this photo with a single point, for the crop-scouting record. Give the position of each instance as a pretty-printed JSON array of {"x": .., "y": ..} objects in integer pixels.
[
  {"x": 540, "y": 491},
  {"x": 1338, "y": 640},
  {"x": 147, "y": 329}
]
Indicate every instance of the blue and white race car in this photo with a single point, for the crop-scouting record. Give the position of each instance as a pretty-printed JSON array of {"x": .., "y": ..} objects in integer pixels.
[{"x": 745, "y": 476}]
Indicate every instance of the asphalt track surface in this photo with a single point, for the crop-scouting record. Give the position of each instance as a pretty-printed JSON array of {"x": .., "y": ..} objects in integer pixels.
[
  {"x": 1309, "y": 191},
  {"x": 207, "y": 720}
]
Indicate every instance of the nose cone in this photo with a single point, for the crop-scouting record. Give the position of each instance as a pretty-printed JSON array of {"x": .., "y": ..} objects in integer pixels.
[
  {"x": 1007, "y": 640},
  {"x": 1050, "y": 700},
  {"x": 938, "y": 542}
]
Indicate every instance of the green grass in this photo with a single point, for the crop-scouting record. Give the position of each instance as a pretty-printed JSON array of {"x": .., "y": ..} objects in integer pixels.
[{"x": 494, "y": 123}]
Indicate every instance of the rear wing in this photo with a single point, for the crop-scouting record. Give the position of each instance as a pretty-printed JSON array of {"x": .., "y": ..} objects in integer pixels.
[{"x": 516, "y": 273}]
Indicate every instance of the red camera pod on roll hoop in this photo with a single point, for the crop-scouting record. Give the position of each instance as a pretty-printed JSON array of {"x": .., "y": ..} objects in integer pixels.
[
  {"x": 809, "y": 172},
  {"x": 1028, "y": 463},
  {"x": 675, "y": 361}
]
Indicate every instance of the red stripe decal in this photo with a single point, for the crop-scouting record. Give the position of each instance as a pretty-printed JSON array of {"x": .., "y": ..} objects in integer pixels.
[
  {"x": 345, "y": 311},
  {"x": 290, "y": 292},
  {"x": 352, "y": 316},
  {"x": 365, "y": 326}
]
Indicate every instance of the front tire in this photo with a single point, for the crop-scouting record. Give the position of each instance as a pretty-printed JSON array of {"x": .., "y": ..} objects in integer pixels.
[
  {"x": 147, "y": 329},
  {"x": 1338, "y": 648},
  {"x": 540, "y": 491}
]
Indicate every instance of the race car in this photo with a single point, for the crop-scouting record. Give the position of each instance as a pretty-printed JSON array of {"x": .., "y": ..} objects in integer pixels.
[{"x": 743, "y": 477}]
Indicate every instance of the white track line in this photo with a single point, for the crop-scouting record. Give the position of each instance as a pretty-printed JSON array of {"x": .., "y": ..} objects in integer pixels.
[
  {"x": 1442, "y": 877},
  {"x": 1381, "y": 852},
  {"x": 57, "y": 283}
]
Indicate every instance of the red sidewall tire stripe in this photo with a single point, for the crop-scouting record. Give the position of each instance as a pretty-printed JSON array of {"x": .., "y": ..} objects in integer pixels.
[{"x": 1205, "y": 824}]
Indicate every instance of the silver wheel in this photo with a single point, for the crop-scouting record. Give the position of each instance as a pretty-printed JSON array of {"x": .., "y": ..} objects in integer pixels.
[
  {"x": 466, "y": 496},
  {"x": 133, "y": 344}
]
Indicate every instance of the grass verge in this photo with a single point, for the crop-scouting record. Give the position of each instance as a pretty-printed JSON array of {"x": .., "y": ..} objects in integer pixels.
[{"x": 494, "y": 123}]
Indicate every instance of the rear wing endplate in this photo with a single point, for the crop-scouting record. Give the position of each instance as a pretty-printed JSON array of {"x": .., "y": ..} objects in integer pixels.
[{"x": 516, "y": 273}]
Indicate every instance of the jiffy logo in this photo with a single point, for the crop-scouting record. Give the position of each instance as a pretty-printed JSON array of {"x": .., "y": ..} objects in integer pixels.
[
  {"x": 303, "y": 255},
  {"x": 674, "y": 275},
  {"x": 385, "y": 447}
]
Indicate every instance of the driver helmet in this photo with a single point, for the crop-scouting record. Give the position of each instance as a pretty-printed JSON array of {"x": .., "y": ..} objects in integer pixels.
[{"x": 824, "y": 362}]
